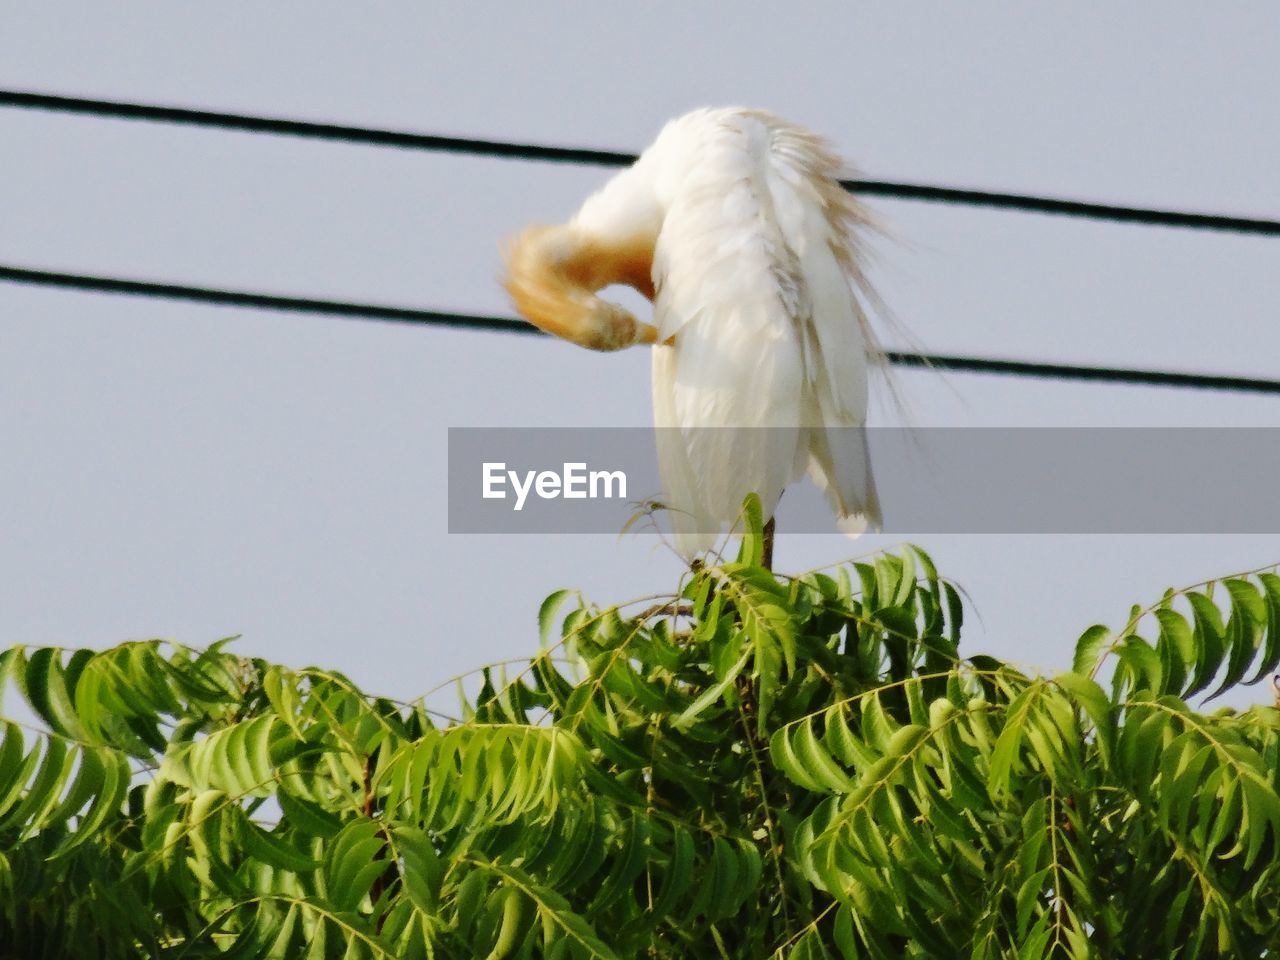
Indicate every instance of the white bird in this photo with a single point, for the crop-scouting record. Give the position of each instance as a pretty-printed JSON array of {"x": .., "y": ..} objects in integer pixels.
[{"x": 734, "y": 224}]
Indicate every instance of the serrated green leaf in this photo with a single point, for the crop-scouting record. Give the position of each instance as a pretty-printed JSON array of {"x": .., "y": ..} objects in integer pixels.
[
  {"x": 547, "y": 614},
  {"x": 1091, "y": 648}
]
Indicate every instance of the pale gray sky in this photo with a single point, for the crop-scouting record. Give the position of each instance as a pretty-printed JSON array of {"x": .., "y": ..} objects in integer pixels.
[{"x": 190, "y": 472}]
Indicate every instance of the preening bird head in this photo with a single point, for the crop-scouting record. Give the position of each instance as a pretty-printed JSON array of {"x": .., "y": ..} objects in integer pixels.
[{"x": 552, "y": 273}]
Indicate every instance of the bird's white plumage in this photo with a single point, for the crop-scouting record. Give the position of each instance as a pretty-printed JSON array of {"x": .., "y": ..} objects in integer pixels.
[{"x": 760, "y": 372}]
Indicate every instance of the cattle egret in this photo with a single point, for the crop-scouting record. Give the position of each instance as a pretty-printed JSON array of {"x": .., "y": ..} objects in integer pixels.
[{"x": 734, "y": 225}]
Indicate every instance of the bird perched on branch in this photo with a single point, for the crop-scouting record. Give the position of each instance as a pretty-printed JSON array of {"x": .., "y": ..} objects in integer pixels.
[{"x": 734, "y": 224}]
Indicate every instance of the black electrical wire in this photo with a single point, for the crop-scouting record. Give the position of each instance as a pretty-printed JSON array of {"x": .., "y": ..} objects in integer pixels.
[
  {"x": 467, "y": 321},
  {"x": 611, "y": 158}
]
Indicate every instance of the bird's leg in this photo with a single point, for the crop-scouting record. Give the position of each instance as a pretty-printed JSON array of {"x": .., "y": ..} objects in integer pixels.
[
  {"x": 766, "y": 545},
  {"x": 554, "y": 272},
  {"x": 766, "y": 551}
]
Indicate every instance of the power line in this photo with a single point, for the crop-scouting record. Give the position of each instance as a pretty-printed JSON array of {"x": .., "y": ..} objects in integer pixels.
[
  {"x": 310, "y": 130},
  {"x": 1069, "y": 371},
  {"x": 262, "y": 301},
  {"x": 612, "y": 158},
  {"x": 468, "y": 321},
  {"x": 1067, "y": 208}
]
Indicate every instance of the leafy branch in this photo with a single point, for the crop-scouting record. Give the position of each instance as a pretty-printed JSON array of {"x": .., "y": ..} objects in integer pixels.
[{"x": 753, "y": 766}]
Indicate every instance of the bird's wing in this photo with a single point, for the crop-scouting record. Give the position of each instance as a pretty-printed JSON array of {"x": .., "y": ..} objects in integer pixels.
[
  {"x": 755, "y": 268},
  {"x": 819, "y": 222},
  {"x": 728, "y": 392}
]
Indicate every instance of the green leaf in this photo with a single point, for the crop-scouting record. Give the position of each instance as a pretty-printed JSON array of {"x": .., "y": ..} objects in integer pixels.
[
  {"x": 354, "y": 863},
  {"x": 1177, "y": 649},
  {"x": 515, "y": 917},
  {"x": 678, "y": 875},
  {"x": 1094, "y": 644},
  {"x": 1008, "y": 746},
  {"x": 1209, "y": 641},
  {"x": 236, "y": 760},
  {"x": 1244, "y": 631},
  {"x": 279, "y": 851},
  {"x": 547, "y": 614},
  {"x": 43, "y": 792},
  {"x": 1270, "y": 656},
  {"x": 629, "y": 861},
  {"x": 1093, "y": 700},
  {"x": 711, "y": 695},
  {"x": 44, "y": 684},
  {"x": 307, "y": 817},
  {"x": 423, "y": 871},
  {"x": 818, "y": 762},
  {"x": 723, "y": 880},
  {"x": 751, "y": 551}
]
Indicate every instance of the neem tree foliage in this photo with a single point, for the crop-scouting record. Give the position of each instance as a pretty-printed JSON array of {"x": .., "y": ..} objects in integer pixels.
[{"x": 756, "y": 766}]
